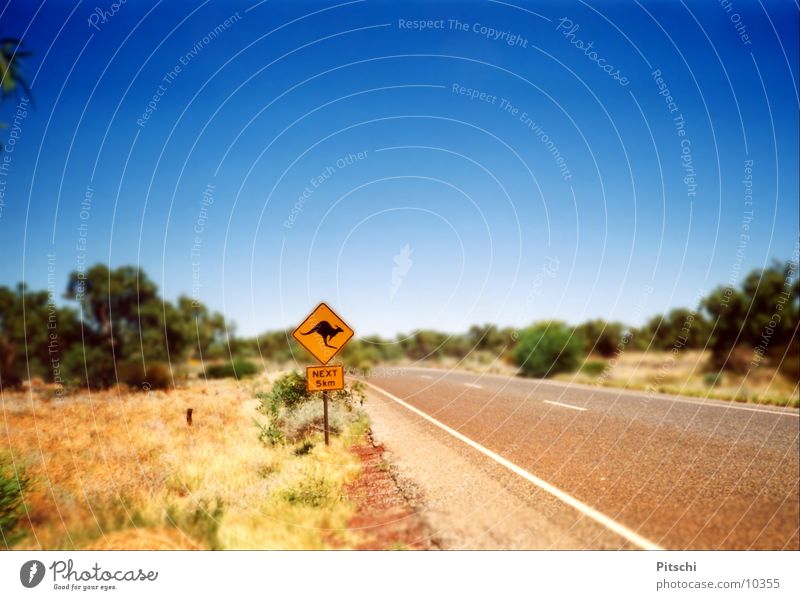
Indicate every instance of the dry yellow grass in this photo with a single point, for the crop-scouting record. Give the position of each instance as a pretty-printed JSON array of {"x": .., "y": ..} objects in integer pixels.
[
  {"x": 655, "y": 370},
  {"x": 686, "y": 375},
  {"x": 116, "y": 470}
]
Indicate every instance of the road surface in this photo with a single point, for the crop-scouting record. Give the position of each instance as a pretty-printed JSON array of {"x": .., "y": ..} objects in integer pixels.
[{"x": 516, "y": 463}]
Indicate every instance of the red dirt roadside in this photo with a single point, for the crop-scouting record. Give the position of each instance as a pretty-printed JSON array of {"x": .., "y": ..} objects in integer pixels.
[{"x": 384, "y": 514}]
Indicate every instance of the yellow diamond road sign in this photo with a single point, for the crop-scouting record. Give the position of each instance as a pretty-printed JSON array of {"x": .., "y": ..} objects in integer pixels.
[{"x": 323, "y": 333}]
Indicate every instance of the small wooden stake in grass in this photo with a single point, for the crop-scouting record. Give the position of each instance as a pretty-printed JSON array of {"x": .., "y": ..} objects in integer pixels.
[
  {"x": 325, "y": 417},
  {"x": 189, "y": 412}
]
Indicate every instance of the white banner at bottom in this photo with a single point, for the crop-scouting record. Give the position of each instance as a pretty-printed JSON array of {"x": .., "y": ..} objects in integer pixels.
[{"x": 379, "y": 575}]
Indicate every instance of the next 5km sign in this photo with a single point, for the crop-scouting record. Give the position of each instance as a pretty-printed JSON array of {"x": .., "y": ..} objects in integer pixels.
[{"x": 319, "y": 379}]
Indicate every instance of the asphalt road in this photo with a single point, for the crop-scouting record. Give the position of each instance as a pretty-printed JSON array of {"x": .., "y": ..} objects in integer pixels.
[{"x": 601, "y": 467}]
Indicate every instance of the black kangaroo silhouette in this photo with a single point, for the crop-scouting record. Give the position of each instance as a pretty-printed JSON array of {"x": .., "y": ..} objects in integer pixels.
[{"x": 325, "y": 330}]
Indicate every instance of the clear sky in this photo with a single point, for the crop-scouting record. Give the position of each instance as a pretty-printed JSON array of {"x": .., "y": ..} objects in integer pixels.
[{"x": 506, "y": 163}]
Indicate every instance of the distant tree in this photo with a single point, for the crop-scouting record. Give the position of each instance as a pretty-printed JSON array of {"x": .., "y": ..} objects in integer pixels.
[
  {"x": 548, "y": 348},
  {"x": 688, "y": 327},
  {"x": 91, "y": 365},
  {"x": 423, "y": 343},
  {"x": 747, "y": 316},
  {"x": 384, "y": 350},
  {"x": 368, "y": 351},
  {"x": 107, "y": 297},
  {"x": 455, "y": 346},
  {"x": 489, "y": 338},
  {"x": 486, "y": 337},
  {"x": 205, "y": 333},
  {"x": 600, "y": 336},
  {"x": 680, "y": 328},
  {"x": 275, "y": 346},
  {"x": 125, "y": 323},
  {"x": 772, "y": 291},
  {"x": 34, "y": 334}
]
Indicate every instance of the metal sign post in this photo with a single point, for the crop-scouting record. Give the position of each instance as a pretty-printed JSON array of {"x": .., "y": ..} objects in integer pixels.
[{"x": 325, "y": 418}]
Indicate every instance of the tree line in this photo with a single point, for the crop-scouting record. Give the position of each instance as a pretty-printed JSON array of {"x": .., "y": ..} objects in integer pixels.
[
  {"x": 742, "y": 326},
  {"x": 118, "y": 329}
]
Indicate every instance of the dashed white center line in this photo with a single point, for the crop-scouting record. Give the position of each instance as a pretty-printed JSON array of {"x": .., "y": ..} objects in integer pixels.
[
  {"x": 425, "y": 377},
  {"x": 474, "y": 385},
  {"x": 564, "y": 405}
]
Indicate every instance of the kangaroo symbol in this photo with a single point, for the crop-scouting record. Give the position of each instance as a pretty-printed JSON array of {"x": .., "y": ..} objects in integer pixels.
[{"x": 325, "y": 330}]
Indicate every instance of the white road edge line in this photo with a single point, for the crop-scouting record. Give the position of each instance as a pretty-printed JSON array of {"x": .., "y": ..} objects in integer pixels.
[
  {"x": 564, "y": 405},
  {"x": 474, "y": 385},
  {"x": 581, "y": 507}
]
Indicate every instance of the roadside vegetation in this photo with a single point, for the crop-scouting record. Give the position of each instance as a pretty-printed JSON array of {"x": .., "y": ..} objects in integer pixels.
[
  {"x": 13, "y": 485},
  {"x": 739, "y": 343},
  {"x": 125, "y": 470},
  {"x": 115, "y": 329}
]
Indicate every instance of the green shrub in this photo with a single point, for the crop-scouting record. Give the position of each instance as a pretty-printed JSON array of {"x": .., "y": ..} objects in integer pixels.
[
  {"x": 546, "y": 349},
  {"x": 712, "y": 379},
  {"x": 600, "y": 336},
  {"x": 271, "y": 433},
  {"x": 13, "y": 486},
  {"x": 159, "y": 376},
  {"x": 303, "y": 449},
  {"x": 593, "y": 368},
  {"x": 237, "y": 368},
  {"x": 90, "y": 366},
  {"x": 290, "y": 415},
  {"x": 288, "y": 391},
  {"x": 201, "y": 524},
  {"x": 310, "y": 491},
  {"x": 152, "y": 376}
]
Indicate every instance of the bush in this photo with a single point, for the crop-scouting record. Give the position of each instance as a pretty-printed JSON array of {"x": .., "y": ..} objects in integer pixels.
[
  {"x": 546, "y": 349},
  {"x": 12, "y": 487},
  {"x": 96, "y": 370},
  {"x": 289, "y": 391},
  {"x": 237, "y": 368},
  {"x": 303, "y": 449},
  {"x": 787, "y": 358},
  {"x": 291, "y": 416},
  {"x": 308, "y": 420},
  {"x": 712, "y": 379},
  {"x": 153, "y": 376},
  {"x": 593, "y": 368},
  {"x": 90, "y": 366},
  {"x": 600, "y": 336},
  {"x": 738, "y": 360},
  {"x": 201, "y": 524},
  {"x": 159, "y": 376},
  {"x": 311, "y": 491}
]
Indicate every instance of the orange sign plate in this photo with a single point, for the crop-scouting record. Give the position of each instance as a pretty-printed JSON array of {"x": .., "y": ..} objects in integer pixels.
[
  {"x": 323, "y": 333},
  {"x": 319, "y": 379}
]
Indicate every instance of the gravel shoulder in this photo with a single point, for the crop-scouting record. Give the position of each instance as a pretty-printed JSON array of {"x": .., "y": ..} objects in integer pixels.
[{"x": 467, "y": 500}]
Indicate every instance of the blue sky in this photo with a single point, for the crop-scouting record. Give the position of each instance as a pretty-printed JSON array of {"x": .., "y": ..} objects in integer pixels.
[{"x": 352, "y": 106}]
